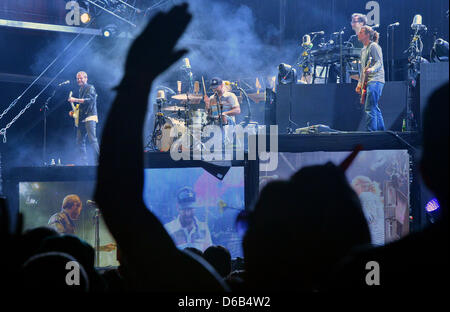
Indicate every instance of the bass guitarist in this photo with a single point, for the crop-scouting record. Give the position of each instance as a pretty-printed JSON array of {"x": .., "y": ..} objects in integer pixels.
[
  {"x": 87, "y": 115},
  {"x": 373, "y": 71}
]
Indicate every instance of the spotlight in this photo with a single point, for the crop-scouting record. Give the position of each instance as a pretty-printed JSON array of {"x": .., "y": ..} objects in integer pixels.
[
  {"x": 85, "y": 17},
  {"x": 440, "y": 51},
  {"x": 432, "y": 205},
  {"x": 286, "y": 74},
  {"x": 109, "y": 31},
  {"x": 432, "y": 209}
]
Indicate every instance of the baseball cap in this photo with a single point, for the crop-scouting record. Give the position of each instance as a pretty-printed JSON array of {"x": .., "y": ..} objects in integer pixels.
[
  {"x": 215, "y": 82},
  {"x": 186, "y": 197}
]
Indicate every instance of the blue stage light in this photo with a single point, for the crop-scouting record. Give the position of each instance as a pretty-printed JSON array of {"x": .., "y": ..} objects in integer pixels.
[{"x": 432, "y": 205}]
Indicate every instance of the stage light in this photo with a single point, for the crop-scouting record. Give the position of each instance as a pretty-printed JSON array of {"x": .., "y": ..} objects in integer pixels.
[
  {"x": 109, "y": 31},
  {"x": 433, "y": 211},
  {"x": 440, "y": 51},
  {"x": 85, "y": 17},
  {"x": 286, "y": 74},
  {"x": 432, "y": 205}
]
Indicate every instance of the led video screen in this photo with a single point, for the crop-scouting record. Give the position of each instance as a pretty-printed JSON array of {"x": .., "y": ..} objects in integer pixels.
[
  {"x": 380, "y": 178},
  {"x": 41, "y": 203},
  {"x": 196, "y": 208},
  {"x": 208, "y": 219}
]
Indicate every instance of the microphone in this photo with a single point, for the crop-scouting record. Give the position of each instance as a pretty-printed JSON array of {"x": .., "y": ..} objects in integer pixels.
[
  {"x": 64, "y": 83},
  {"x": 394, "y": 24},
  {"x": 317, "y": 33},
  {"x": 91, "y": 203}
]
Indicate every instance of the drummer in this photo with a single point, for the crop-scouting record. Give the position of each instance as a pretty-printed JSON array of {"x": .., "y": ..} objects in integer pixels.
[{"x": 228, "y": 102}]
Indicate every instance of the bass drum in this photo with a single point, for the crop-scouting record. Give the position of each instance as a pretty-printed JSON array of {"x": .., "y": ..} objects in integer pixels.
[{"x": 170, "y": 131}]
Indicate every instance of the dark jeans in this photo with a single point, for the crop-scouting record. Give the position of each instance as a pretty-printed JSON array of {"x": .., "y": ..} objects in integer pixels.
[
  {"x": 374, "y": 119},
  {"x": 88, "y": 129}
]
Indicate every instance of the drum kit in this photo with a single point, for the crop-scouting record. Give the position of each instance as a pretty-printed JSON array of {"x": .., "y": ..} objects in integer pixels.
[
  {"x": 175, "y": 118},
  {"x": 177, "y": 114}
]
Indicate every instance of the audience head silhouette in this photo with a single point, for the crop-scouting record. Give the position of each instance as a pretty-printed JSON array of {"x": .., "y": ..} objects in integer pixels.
[{"x": 301, "y": 227}]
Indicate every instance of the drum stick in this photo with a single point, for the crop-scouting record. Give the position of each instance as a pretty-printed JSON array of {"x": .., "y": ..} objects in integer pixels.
[{"x": 204, "y": 88}]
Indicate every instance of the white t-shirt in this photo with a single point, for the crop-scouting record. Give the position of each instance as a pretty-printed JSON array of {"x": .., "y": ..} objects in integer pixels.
[
  {"x": 228, "y": 101},
  {"x": 374, "y": 212},
  {"x": 199, "y": 237}
]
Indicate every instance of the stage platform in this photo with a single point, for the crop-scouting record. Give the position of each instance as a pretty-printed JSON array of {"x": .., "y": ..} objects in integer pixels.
[{"x": 346, "y": 141}]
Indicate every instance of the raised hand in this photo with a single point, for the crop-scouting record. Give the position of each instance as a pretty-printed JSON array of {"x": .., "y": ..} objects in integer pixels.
[{"x": 152, "y": 52}]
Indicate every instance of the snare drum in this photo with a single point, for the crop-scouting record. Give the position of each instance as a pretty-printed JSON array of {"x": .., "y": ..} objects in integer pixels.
[{"x": 170, "y": 131}]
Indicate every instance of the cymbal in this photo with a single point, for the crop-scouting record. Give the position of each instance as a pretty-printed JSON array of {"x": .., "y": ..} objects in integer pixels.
[
  {"x": 173, "y": 108},
  {"x": 187, "y": 96},
  {"x": 257, "y": 97}
]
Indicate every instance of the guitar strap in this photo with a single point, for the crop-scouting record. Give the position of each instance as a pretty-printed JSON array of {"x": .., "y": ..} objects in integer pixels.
[{"x": 367, "y": 54}]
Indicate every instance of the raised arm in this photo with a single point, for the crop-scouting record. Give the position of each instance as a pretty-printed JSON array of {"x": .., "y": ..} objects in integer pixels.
[{"x": 147, "y": 249}]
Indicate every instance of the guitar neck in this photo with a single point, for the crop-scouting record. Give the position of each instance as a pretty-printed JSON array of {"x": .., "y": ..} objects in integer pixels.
[{"x": 71, "y": 104}]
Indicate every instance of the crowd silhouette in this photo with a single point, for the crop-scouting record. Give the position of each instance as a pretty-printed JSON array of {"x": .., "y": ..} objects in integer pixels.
[{"x": 307, "y": 233}]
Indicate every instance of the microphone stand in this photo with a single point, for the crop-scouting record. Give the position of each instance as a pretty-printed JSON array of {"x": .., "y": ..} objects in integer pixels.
[
  {"x": 390, "y": 67},
  {"x": 387, "y": 55},
  {"x": 289, "y": 129},
  {"x": 249, "y": 116},
  {"x": 341, "y": 56},
  {"x": 157, "y": 127},
  {"x": 219, "y": 110},
  {"x": 44, "y": 109},
  {"x": 97, "y": 236},
  {"x": 391, "y": 78}
]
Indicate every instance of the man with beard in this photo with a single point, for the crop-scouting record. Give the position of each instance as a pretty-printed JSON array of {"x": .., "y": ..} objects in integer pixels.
[
  {"x": 186, "y": 230},
  {"x": 63, "y": 221}
]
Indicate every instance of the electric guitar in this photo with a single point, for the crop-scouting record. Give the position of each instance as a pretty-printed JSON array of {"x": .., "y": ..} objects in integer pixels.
[
  {"x": 364, "y": 79},
  {"x": 75, "y": 111}
]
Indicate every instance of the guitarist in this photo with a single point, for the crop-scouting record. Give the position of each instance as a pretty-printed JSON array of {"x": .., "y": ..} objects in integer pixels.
[
  {"x": 374, "y": 73},
  {"x": 88, "y": 119}
]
